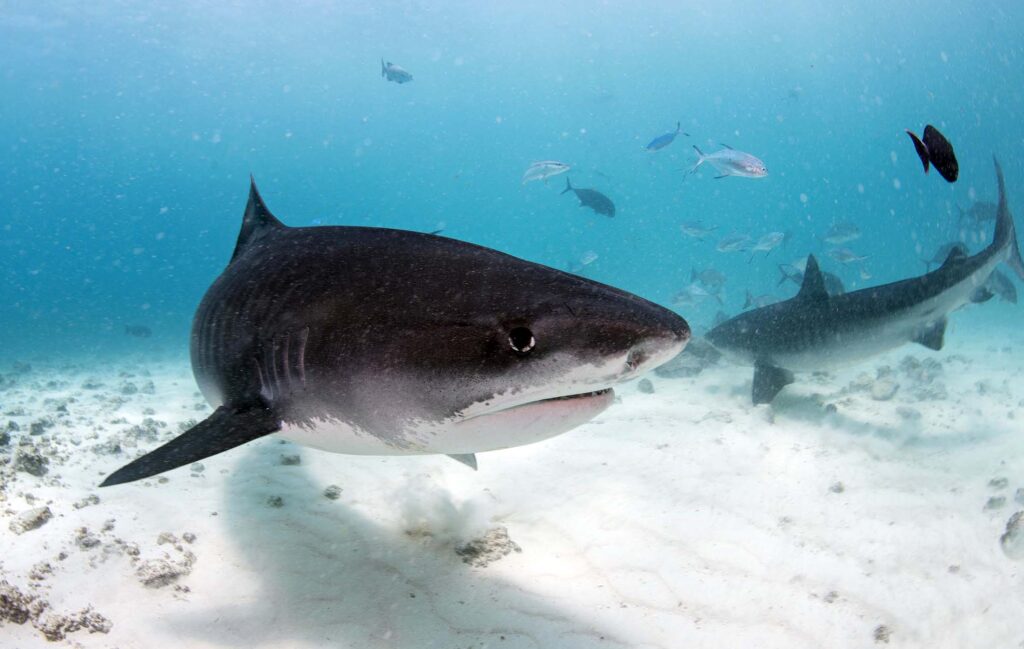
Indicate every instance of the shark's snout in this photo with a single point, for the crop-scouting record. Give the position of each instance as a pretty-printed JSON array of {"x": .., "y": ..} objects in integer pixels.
[{"x": 659, "y": 337}]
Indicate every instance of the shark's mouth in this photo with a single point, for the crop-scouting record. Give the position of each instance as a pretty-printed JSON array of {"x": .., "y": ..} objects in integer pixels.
[{"x": 525, "y": 423}]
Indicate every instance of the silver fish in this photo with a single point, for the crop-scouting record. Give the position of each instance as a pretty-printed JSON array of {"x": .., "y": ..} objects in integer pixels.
[
  {"x": 730, "y": 162},
  {"x": 693, "y": 295},
  {"x": 758, "y": 301},
  {"x": 394, "y": 73},
  {"x": 544, "y": 169},
  {"x": 710, "y": 278},
  {"x": 845, "y": 255},
  {"x": 840, "y": 233},
  {"x": 696, "y": 229},
  {"x": 767, "y": 243},
  {"x": 733, "y": 243}
]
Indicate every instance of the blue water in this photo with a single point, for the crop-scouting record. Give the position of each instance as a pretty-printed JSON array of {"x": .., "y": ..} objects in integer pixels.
[{"x": 128, "y": 131}]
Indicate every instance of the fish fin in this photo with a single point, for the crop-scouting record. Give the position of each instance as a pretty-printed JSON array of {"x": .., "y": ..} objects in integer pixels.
[
  {"x": 722, "y": 176},
  {"x": 727, "y": 146},
  {"x": 257, "y": 219},
  {"x": 768, "y": 381},
  {"x": 932, "y": 336},
  {"x": 225, "y": 429},
  {"x": 568, "y": 186},
  {"x": 469, "y": 459},
  {"x": 922, "y": 151},
  {"x": 1006, "y": 233},
  {"x": 813, "y": 287},
  {"x": 700, "y": 161},
  {"x": 982, "y": 294},
  {"x": 782, "y": 276},
  {"x": 383, "y": 68},
  {"x": 748, "y": 301},
  {"x": 956, "y": 255}
]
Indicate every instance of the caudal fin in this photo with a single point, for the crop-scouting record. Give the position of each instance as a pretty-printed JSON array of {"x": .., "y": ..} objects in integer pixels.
[
  {"x": 568, "y": 186},
  {"x": 700, "y": 160},
  {"x": 1006, "y": 233}
]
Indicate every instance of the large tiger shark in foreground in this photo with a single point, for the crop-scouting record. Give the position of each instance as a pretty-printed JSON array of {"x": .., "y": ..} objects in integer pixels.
[
  {"x": 388, "y": 342},
  {"x": 815, "y": 330}
]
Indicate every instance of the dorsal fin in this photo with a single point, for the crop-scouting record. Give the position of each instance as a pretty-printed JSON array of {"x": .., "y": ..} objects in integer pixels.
[
  {"x": 813, "y": 287},
  {"x": 257, "y": 219},
  {"x": 956, "y": 254}
]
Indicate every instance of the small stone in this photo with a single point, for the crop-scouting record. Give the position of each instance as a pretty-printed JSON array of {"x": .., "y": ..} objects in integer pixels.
[
  {"x": 129, "y": 388},
  {"x": 1018, "y": 496},
  {"x": 837, "y": 488},
  {"x": 166, "y": 537},
  {"x": 31, "y": 519},
  {"x": 275, "y": 501},
  {"x": 85, "y": 539},
  {"x": 1013, "y": 539},
  {"x": 645, "y": 386},
  {"x": 492, "y": 546},
  {"x": 91, "y": 499},
  {"x": 884, "y": 389},
  {"x": 953, "y": 569},
  {"x": 998, "y": 483},
  {"x": 291, "y": 460},
  {"x": 995, "y": 502},
  {"x": 831, "y": 409},
  {"x": 197, "y": 467},
  {"x": 157, "y": 573},
  {"x": 40, "y": 571},
  {"x": 16, "y": 606},
  {"x": 882, "y": 634},
  {"x": 188, "y": 537},
  {"x": 907, "y": 413},
  {"x": 332, "y": 492},
  {"x": 31, "y": 461},
  {"x": 830, "y": 596}
]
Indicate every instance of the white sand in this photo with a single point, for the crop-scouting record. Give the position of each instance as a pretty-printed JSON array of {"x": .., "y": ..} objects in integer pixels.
[{"x": 683, "y": 518}]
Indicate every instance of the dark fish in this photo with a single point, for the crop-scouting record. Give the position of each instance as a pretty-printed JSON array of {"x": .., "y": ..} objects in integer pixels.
[
  {"x": 139, "y": 331},
  {"x": 663, "y": 141},
  {"x": 592, "y": 198},
  {"x": 934, "y": 148},
  {"x": 394, "y": 73}
]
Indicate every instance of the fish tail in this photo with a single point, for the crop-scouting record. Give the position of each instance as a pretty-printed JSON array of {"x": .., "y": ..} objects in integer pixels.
[
  {"x": 568, "y": 186},
  {"x": 1006, "y": 233},
  {"x": 700, "y": 160},
  {"x": 782, "y": 276}
]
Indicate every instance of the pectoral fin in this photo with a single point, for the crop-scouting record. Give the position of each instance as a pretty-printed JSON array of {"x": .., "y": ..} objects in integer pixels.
[
  {"x": 468, "y": 459},
  {"x": 933, "y": 335},
  {"x": 225, "y": 429},
  {"x": 768, "y": 380}
]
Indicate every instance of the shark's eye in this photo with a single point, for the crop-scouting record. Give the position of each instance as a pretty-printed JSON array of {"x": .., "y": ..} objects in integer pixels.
[{"x": 521, "y": 339}]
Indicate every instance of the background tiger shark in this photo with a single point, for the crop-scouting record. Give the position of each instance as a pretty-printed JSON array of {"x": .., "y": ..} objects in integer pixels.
[
  {"x": 815, "y": 330},
  {"x": 389, "y": 342}
]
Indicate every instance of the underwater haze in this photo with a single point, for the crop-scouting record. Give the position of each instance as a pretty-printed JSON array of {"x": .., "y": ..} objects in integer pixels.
[{"x": 878, "y": 502}]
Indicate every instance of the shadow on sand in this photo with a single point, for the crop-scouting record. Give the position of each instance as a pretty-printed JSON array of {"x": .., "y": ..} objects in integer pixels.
[{"x": 330, "y": 576}]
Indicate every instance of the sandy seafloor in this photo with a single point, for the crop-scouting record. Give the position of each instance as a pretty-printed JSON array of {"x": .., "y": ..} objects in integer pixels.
[{"x": 682, "y": 518}]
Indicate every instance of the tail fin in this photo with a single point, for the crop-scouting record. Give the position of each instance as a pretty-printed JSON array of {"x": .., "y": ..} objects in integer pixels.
[
  {"x": 568, "y": 186},
  {"x": 383, "y": 68},
  {"x": 1006, "y": 233},
  {"x": 749, "y": 301},
  {"x": 782, "y": 276},
  {"x": 700, "y": 160}
]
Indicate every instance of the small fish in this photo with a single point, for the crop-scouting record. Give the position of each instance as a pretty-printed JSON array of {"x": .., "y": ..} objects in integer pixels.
[
  {"x": 316, "y": 222},
  {"x": 979, "y": 212},
  {"x": 544, "y": 169},
  {"x": 1002, "y": 286},
  {"x": 840, "y": 233},
  {"x": 592, "y": 198},
  {"x": 937, "y": 150},
  {"x": 864, "y": 274},
  {"x": 394, "y": 73},
  {"x": 758, "y": 301},
  {"x": 710, "y": 278},
  {"x": 585, "y": 260},
  {"x": 697, "y": 230},
  {"x": 693, "y": 295},
  {"x": 845, "y": 255},
  {"x": 730, "y": 162},
  {"x": 733, "y": 243},
  {"x": 766, "y": 244},
  {"x": 663, "y": 141},
  {"x": 138, "y": 331}
]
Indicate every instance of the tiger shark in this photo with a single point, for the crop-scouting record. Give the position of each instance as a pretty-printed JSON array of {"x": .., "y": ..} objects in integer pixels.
[
  {"x": 388, "y": 342},
  {"x": 816, "y": 330}
]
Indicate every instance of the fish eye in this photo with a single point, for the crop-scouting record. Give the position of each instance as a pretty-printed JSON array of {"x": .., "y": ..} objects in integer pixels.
[{"x": 522, "y": 340}]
